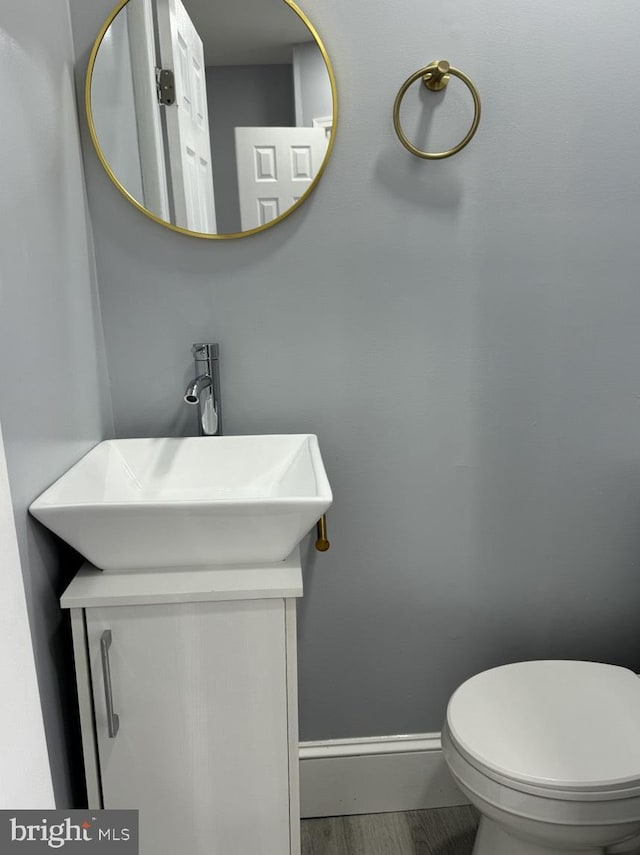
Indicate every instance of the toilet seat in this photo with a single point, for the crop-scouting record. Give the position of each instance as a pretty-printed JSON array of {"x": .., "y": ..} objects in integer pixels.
[{"x": 561, "y": 729}]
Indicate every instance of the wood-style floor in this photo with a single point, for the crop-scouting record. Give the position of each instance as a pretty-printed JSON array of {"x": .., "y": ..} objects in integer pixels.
[{"x": 446, "y": 831}]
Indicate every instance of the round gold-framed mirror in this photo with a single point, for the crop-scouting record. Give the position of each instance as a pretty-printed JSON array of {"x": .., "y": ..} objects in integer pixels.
[{"x": 215, "y": 118}]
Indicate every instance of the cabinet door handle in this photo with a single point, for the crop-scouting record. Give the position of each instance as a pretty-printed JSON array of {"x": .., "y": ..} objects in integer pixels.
[{"x": 113, "y": 722}]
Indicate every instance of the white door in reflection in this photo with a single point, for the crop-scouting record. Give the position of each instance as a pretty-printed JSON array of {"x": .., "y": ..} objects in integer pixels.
[
  {"x": 187, "y": 121},
  {"x": 275, "y": 168}
]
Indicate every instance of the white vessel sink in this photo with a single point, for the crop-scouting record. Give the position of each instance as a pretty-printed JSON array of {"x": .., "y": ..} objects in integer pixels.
[{"x": 200, "y": 501}]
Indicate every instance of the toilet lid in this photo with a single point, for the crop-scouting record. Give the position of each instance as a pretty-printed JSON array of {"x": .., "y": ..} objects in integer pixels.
[{"x": 556, "y": 724}]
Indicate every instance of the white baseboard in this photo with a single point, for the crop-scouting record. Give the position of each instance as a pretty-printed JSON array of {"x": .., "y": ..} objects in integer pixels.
[{"x": 339, "y": 777}]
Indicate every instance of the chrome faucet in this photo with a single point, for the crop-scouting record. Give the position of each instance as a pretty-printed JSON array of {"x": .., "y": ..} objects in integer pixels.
[{"x": 204, "y": 389}]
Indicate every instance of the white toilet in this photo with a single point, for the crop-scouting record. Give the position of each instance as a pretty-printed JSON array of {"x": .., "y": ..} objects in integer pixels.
[{"x": 549, "y": 753}]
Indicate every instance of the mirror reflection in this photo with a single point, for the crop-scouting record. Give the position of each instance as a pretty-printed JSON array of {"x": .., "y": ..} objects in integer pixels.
[{"x": 214, "y": 116}]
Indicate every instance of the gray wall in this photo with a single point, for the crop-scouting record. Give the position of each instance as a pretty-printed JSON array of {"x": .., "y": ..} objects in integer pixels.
[
  {"x": 242, "y": 96},
  {"x": 312, "y": 85},
  {"x": 462, "y": 335},
  {"x": 114, "y": 109},
  {"x": 53, "y": 390}
]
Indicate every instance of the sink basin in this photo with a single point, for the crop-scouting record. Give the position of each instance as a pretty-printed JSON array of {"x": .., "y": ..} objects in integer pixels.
[{"x": 150, "y": 503}]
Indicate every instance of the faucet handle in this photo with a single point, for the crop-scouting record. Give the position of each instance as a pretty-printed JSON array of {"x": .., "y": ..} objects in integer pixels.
[{"x": 204, "y": 350}]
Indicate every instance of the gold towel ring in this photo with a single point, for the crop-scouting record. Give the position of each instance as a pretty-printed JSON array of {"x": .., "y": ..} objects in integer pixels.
[{"x": 435, "y": 77}]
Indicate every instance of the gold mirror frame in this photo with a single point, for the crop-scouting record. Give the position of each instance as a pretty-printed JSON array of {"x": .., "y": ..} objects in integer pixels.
[{"x": 159, "y": 220}]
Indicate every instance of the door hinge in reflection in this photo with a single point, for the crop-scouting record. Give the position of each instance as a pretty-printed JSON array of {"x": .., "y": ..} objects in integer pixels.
[{"x": 166, "y": 83}]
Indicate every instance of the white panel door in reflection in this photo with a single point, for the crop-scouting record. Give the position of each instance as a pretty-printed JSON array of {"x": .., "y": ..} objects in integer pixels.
[
  {"x": 187, "y": 121},
  {"x": 275, "y": 168}
]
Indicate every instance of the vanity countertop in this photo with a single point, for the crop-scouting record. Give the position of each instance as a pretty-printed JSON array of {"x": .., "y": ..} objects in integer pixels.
[{"x": 92, "y": 587}]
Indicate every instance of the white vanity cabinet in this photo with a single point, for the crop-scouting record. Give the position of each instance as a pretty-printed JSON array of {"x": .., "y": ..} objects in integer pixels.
[{"x": 188, "y": 703}]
